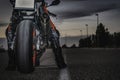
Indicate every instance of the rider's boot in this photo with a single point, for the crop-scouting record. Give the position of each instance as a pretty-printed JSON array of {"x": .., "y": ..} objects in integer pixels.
[
  {"x": 59, "y": 58},
  {"x": 11, "y": 63}
]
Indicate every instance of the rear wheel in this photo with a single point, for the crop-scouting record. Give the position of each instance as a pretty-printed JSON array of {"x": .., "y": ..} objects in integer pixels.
[{"x": 24, "y": 46}]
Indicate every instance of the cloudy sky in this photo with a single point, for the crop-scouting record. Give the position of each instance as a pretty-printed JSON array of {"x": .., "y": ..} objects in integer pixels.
[{"x": 72, "y": 15}]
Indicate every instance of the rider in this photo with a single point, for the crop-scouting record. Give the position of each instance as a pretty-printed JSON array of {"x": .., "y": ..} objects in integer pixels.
[{"x": 10, "y": 34}]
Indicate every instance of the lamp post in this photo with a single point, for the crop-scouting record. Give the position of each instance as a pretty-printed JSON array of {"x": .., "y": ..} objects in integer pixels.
[
  {"x": 66, "y": 39},
  {"x": 86, "y": 29},
  {"x": 97, "y": 19},
  {"x": 97, "y": 25},
  {"x": 81, "y": 33},
  {"x": 87, "y": 33}
]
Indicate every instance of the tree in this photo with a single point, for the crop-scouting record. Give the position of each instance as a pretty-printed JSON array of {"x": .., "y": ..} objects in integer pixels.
[
  {"x": 102, "y": 36},
  {"x": 117, "y": 39},
  {"x": 85, "y": 42},
  {"x": 73, "y": 46},
  {"x": 64, "y": 46}
]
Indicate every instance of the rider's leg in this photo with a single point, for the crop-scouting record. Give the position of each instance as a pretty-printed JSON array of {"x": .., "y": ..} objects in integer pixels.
[
  {"x": 10, "y": 33},
  {"x": 64, "y": 73},
  {"x": 56, "y": 47},
  {"x": 11, "y": 55},
  {"x": 57, "y": 50}
]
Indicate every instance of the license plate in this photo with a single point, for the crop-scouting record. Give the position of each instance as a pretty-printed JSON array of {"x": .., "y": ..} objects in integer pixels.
[{"x": 24, "y": 4}]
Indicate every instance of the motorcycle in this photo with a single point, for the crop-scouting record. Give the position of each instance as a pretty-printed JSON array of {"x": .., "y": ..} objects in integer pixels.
[{"x": 34, "y": 33}]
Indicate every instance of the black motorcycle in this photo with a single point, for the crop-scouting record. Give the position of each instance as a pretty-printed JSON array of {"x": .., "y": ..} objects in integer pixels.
[{"x": 34, "y": 33}]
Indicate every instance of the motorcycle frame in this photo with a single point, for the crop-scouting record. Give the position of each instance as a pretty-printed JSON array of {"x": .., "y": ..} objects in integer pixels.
[{"x": 42, "y": 24}]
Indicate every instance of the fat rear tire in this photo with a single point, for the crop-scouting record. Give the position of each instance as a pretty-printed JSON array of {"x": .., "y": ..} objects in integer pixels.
[{"x": 24, "y": 49}]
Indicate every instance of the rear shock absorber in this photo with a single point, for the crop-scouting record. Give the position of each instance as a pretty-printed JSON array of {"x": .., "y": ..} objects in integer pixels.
[{"x": 46, "y": 20}]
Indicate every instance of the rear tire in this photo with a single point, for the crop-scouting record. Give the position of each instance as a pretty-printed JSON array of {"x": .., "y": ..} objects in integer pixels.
[{"x": 24, "y": 46}]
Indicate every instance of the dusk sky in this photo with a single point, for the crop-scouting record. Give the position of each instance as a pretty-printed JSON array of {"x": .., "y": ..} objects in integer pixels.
[{"x": 74, "y": 14}]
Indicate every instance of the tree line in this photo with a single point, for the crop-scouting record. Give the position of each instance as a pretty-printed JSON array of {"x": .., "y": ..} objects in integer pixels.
[{"x": 102, "y": 38}]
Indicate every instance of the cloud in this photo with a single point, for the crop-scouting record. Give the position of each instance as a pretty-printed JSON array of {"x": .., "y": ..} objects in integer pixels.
[
  {"x": 74, "y": 9},
  {"x": 68, "y": 8}
]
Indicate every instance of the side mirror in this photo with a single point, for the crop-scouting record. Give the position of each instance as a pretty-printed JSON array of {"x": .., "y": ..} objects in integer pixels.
[{"x": 55, "y": 2}]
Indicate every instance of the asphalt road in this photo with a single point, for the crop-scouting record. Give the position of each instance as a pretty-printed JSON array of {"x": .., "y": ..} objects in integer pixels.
[{"x": 83, "y": 64}]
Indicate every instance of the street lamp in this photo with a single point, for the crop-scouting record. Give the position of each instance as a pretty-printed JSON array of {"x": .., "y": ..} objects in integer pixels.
[
  {"x": 81, "y": 32},
  {"x": 86, "y": 29},
  {"x": 97, "y": 19},
  {"x": 87, "y": 33},
  {"x": 66, "y": 39}
]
